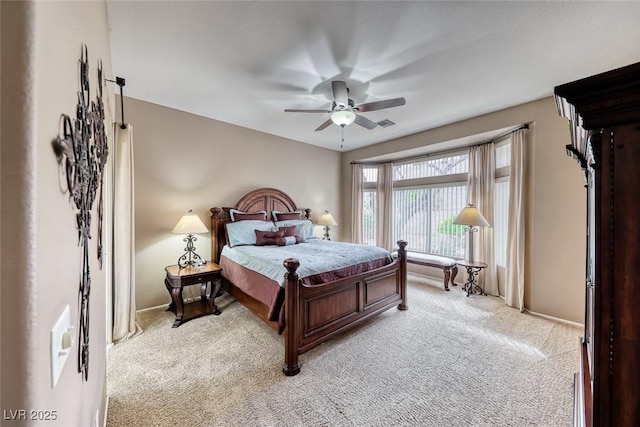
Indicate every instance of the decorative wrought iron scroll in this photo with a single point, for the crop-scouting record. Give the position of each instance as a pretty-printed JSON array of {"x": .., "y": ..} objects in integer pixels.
[{"x": 82, "y": 150}]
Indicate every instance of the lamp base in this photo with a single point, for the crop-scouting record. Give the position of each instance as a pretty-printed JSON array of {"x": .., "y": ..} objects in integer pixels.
[
  {"x": 471, "y": 229},
  {"x": 326, "y": 233},
  {"x": 190, "y": 258}
]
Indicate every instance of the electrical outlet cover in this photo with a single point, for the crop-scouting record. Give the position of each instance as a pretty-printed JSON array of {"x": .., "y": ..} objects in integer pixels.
[{"x": 59, "y": 354}]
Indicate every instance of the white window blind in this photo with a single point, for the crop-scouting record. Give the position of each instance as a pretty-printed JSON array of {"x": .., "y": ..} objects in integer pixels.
[
  {"x": 369, "y": 217},
  {"x": 501, "y": 219},
  {"x": 423, "y": 217}
]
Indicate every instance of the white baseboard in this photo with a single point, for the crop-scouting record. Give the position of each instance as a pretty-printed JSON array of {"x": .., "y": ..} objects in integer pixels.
[
  {"x": 545, "y": 316},
  {"x": 165, "y": 305},
  {"x": 105, "y": 410},
  {"x": 435, "y": 281},
  {"x": 152, "y": 308},
  {"x": 555, "y": 319}
]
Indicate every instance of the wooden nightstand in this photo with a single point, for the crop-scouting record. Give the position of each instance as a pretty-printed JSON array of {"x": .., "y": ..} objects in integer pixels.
[{"x": 177, "y": 278}]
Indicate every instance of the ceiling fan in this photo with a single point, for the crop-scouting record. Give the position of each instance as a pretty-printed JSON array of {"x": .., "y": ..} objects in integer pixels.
[{"x": 344, "y": 111}]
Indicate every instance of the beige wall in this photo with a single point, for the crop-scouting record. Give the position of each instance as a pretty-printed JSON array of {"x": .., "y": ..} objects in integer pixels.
[
  {"x": 184, "y": 161},
  {"x": 555, "y": 202},
  {"x": 41, "y": 45}
]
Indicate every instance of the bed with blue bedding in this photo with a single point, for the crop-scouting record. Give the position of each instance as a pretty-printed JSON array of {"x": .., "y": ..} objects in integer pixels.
[{"x": 308, "y": 289}]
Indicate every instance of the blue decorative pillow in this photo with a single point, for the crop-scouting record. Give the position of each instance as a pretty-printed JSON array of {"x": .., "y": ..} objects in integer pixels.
[
  {"x": 244, "y": 232},
  {"x": 304, "y": 227}
]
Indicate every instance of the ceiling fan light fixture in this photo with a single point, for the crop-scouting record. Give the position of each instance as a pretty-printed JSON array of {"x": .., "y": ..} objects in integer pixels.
[{"x": 343, "y": 117}]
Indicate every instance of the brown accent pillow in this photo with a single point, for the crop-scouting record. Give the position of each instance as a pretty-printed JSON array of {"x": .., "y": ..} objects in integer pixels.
[
  {"x": 288, "y": 231},
  {"x": 264, "y": 238},
  {"x": 241, "y": 216},
  {"x": 284, "y": 216},
  {"x": 288, "y": 240}
]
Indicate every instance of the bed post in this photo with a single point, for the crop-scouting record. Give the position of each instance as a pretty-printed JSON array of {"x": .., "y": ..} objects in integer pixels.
[
  {"x": 402, "y": 259},
  {"x": 215, "y": 221},
  {"x": 291, "y": 364}
]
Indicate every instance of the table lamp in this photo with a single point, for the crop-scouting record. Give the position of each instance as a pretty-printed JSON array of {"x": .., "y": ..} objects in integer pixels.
[
  {"x": 326, "y": 219},
  {"x": 190, "y": 224},
  {"x": 471, "y": 218}
]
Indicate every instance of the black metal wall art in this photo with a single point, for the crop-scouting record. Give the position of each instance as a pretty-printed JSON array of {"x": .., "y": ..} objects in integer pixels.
[{"x": 81, "y": 149}]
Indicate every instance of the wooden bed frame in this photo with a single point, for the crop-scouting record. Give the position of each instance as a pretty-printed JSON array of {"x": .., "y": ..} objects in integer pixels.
[{"x": 314, "y": 314}]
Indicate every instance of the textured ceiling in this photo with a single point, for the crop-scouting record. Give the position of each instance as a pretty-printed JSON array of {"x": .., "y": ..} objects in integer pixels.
[{"x": 244, "y": 62}]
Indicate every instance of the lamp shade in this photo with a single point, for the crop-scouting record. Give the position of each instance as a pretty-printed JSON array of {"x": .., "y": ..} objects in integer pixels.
[
  {"x": 327, "y": 219},
  {"x": 190, "y": 223},
  {"x": 470, "y": 215},
  {"x": 343, "y": 117}
]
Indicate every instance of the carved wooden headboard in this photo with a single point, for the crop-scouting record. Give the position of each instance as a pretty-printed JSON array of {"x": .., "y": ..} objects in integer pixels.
[{"x": 262, "y": 199}]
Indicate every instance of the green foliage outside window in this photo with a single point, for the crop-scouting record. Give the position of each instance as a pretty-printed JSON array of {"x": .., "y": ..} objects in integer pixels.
[{"x": 449, "y": 228}]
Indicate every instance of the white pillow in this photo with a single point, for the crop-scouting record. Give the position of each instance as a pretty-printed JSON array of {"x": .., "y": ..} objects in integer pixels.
[
  {"x": 304, "y": 227},
  {"x": 244, "y": 232}
]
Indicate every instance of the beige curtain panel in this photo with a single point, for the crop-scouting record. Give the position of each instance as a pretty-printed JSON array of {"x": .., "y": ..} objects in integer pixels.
[
  {"x": 356, "y": 200},
  {"x": 514, "y": 289},
  {"x": 124, "y": 293},
  {"x": 481, "y": 185},
  {"x": 384, "y": 234}
]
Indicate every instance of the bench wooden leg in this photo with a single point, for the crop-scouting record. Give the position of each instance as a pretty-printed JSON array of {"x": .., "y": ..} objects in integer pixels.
[
  {"x": 447, "y": 273},
  {"x": 454, "y": 272}
]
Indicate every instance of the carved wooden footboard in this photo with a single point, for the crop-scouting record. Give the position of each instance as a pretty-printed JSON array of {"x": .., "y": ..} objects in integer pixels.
[
  {"x": 321, "y": 311},
  {"x": 314, "y": 314}
]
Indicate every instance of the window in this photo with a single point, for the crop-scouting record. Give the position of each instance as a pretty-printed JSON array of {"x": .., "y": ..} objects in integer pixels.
[
  {"x": 369, "y": 208},
  {"x": 501, "y": 201},
  {"x": 501, "y": 219},
  {"x": 369, "y": 214},
  {"x": 424, "y": 216},
  {"x": 427, "y": 196}
]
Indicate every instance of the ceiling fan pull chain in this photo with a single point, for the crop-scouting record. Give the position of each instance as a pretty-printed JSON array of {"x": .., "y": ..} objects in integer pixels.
[{"x": 342, "y": 132}]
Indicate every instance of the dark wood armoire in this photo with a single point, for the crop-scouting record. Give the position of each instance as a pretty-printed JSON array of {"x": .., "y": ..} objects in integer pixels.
[{"x": 604, "y": 113}]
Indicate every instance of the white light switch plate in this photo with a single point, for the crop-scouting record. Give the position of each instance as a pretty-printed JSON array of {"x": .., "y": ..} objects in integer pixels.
[{"x": 61, "y": 343}]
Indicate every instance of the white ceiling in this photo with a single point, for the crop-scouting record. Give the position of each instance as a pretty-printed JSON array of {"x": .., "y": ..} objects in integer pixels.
[{"x": 244, "y": 62}]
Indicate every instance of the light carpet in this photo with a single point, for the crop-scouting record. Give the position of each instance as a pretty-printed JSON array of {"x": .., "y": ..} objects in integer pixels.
[{"x": 450, "y": 360}]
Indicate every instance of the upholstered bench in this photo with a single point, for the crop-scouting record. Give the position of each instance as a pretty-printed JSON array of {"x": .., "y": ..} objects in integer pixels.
[{"x": 448, "y": 265}]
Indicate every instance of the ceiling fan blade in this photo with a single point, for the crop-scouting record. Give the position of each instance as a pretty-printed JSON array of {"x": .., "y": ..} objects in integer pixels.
[
  {"x": 340, "y": 93},
  {"x": 324, "y": 125},
  {"x": 379, "y": 105},
  {"x": 364, "y": 122},
  {"x": 294, "y": 110}
]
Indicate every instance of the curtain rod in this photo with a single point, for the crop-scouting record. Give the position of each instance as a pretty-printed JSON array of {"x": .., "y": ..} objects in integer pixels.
[
  {"x": 120, "y": 82},
  {"x": 404, "y": 159},
  {"x": 524, "y": 126}
]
